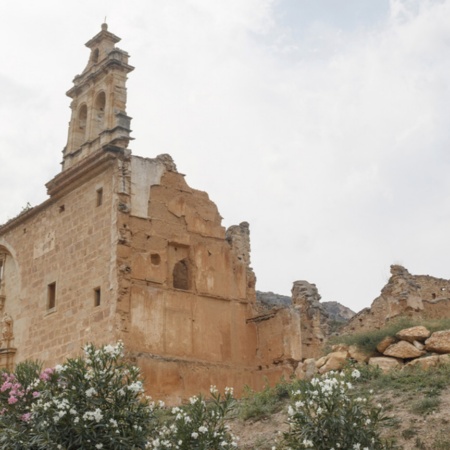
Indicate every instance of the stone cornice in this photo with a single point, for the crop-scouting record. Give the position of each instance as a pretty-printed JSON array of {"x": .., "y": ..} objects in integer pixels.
[
  {"x": 81, "y": 80},
  {"x": 67, "y": 181},
  {"x": 79, "y": 173}
]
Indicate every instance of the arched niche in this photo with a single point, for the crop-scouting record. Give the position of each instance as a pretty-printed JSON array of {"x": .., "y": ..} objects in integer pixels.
[
  {"x": 94, "y": 56},
  {"x": 10, "y": 289},
  {"x": 80, "y": 126},
  {"x": 9, "y": 279},
  {"x": 180, "y": 275},
  {"x": 99, "y": 114}
]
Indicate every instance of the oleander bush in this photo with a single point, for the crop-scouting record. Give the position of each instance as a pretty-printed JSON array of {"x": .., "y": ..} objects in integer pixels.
[
  {"x": 91, "y": 402},
  {"x": 197, "y": 425},
  {"x": 325, "y": 414}
]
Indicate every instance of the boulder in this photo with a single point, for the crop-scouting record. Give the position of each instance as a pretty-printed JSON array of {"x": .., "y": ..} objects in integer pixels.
[
  {"x": 385, "y": 364},
  {"x": 339, "y": 348},
  {"x": 300, "y": 371},
  {"x": 418, "y": 345},
  {"x": 424, "y": 363},
  {"x": 403, "y": 350},
  {"x": 385, "y": 343},
  {"x": 321, "y": 361},
  {"x": 335, "y": 361},
  {"x": 438, "y": 342},
  {"x": 309, "y": 367},
  {"x": 419, "y": 333},
  {"x": 359, "y": 356},
  {"x": 444, "y": 359}
]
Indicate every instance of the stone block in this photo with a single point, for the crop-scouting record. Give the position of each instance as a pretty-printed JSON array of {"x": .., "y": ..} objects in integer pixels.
[
  {"x": 423, "y": 363},
  {"x": 419, "y": 333},
  {"x": 309, "y": 367},
  {"x": 438, "y": 342},
  {"x": 386, "y": 364},
  {"x": 335, "y": 361},
  {"x": 356, "y": 354},
  {"x": 385, "y": 343},
  {"x": 403, "y": 350}
]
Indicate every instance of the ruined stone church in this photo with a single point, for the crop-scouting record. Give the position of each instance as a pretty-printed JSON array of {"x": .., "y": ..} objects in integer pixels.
[{"x": 124, "y": 249}]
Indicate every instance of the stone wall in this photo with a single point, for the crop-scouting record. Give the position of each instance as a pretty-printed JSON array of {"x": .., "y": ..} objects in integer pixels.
[
  {"x": 189, "y": 291},
  {"x": 129, "y": 251},
  {"x": 65, "y": 245}
]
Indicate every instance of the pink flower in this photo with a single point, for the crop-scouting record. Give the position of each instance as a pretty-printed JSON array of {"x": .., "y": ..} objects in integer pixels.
[
  {"x": 6, "y": 385},
  {"x": 36, "y": 394},
  {"x": 26, "y": 417},
  {"x": 12, "y": 400},
  {"x": 45, "y": 375}
]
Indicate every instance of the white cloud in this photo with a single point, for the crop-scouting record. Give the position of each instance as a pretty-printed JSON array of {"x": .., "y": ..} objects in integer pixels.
[{"x": 332, "y": 142}]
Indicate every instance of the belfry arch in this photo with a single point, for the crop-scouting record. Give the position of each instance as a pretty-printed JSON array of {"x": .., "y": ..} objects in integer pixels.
[{"x": 98, "y": 119}]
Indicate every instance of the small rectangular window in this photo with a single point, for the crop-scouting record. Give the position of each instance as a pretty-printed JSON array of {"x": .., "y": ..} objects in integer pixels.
[
  {"x": 2, "y": 263},
  {"x": 99, "y": 196},
  {"x": 51, "y": 296},
  {"x": 97, "y": 296}
]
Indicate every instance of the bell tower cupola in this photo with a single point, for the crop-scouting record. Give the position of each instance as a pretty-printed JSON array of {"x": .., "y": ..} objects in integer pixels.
[{"x": 99, "y": 120}]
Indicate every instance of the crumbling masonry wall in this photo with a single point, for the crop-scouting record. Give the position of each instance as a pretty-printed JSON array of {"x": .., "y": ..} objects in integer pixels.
[{"x": 415, "y": 296}]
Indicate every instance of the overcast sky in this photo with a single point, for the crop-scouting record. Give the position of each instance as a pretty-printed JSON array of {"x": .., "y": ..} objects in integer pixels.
[{"x": 323, "y": 123}]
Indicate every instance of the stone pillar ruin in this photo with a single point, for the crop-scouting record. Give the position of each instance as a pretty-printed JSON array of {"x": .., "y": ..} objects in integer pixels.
[{"x": 314, "y": 318}]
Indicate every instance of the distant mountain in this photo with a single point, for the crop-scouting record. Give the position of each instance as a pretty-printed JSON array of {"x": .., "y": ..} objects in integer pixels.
[
  {"x": 335, "y": 310},
  {"x": 338, "y": 312},
  {"x": 271, "y": 300}
]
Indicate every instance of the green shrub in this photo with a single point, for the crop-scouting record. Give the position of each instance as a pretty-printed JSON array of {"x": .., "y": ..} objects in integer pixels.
[
  {"x": 259, "y": 405},
  {"x": 324, "y": 413},
  {"x": 426, "y": 405}
]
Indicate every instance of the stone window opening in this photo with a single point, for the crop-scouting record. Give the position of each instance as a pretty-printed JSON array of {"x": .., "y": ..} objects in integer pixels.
[
  {"x": 2, "y": 267},
  {"x": 155, "y": 259},
  {"x": 99, "y": 197},
  {"x": 51, "y": 296},
  {"x": 180, "y": 275},
  {"x": 100, "y": 102},
  {"x": 98, "y": 116},
  {"x": 79, "y": 132},
  {"x": 94, "y": 56},
  {"x": 97, "y": 297},
  {"x": 82, "y": 117}
]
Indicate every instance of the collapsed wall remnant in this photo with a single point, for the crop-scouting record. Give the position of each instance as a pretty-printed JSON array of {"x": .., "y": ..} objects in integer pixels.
[
  {"x": 405, "y": 295},
  {"x": 314, "y": 318}
]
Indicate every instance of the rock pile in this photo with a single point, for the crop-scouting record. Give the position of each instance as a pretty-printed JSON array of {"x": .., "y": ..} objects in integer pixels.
[{"x": 415, "y": 346}]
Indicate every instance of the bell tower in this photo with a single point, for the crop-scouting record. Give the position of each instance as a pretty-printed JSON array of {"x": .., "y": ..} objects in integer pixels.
[{"x": 99, "y": 119}]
